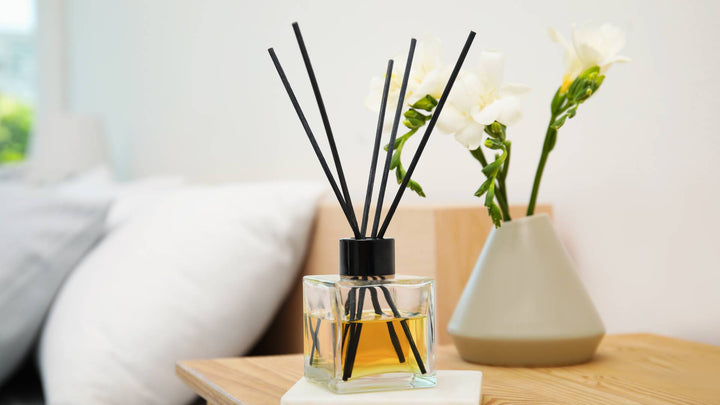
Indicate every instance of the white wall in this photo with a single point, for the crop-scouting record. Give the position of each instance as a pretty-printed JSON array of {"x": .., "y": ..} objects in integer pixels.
[{"x": 187, "y": 87}]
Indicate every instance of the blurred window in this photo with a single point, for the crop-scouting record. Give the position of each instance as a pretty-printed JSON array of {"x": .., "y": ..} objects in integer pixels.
[{"x": 17, "y": 77}]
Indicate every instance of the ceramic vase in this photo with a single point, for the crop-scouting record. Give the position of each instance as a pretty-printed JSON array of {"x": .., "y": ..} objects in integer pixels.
[{"x": 524, "y": 304}]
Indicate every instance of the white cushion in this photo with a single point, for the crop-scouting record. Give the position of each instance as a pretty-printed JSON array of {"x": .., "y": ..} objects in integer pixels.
[
  {"x": 43, "y": 235},
  {"x": 12, "y": 172},
  {"x": 199, "y": 275},
  {"x": 129, "y": 198}
]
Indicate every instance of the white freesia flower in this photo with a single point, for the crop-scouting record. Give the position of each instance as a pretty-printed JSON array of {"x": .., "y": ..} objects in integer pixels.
[
  {"x": 427, "y": 76},
  {"x": 480, "y": 98},
  {"x": 592, "y": 45}
]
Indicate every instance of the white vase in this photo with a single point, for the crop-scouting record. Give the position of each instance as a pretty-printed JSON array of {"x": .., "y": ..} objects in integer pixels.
[{"x": 524, "y": 304}]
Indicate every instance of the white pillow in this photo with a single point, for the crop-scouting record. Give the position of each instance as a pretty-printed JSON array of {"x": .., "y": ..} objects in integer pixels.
[
  {"x": 200, "y": 275},
  {"x": 43, "y": 235},
  {"x": 12, "y": 171},
  {"x": 129, "y": 198}
]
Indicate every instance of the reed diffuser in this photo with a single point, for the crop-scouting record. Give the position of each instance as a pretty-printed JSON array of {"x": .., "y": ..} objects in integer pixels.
[{"x": 368, "y": 329}]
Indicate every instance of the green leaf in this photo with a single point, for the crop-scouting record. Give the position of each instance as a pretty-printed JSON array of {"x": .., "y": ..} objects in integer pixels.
[
  {"x": 395, "y": 161},
  {"x": 570, "y": 94},
  {"x": 414, "y": 123},
  {"x": 495, "y": 144},
  {"x": 491, "y": 170},
  {"x": 495, "y": 130},
  {"x": 579, "y": 91},
  {"x": 590, "y": 73},
  {"x": 479, "y": 156},
  {"x": 414, "y": 186},
  {"x": 599, "y": 81},
  {"x": 415, "y": 115},
  {"x": 398, "y": 141},
  {"x": 490, "y": 196},
  {"x": 557, "y": 101},
  {"x": 559, "y": 122},
  {"x": 400, "y": 174},
  {"x": 552, "y": 138},
  {"x": 571, "y": 112},
  {"x": 495, "y": 215},
  {"x": 426, "y": 103},
  {"x": 483, "y": 188},
  {"x": 496, "y": 141}
]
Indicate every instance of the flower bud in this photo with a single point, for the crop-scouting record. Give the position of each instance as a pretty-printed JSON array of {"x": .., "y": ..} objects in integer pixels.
[
  {"x": 413, "y": 123},
  {"x": 414, "y": 114},
  {"x": 599, "y": 80},
  {"x": 426, "y": 103}
]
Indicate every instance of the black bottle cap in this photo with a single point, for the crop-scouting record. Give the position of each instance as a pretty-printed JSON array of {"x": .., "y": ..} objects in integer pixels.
[{"x": 367, "y": 257}]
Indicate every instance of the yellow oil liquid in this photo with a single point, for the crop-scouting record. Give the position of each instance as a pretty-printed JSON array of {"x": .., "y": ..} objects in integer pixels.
[{"x": 376, "y": 352}]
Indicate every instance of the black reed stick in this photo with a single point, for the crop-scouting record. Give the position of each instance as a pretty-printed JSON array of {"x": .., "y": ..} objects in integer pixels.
[
  {"x": 393, "y": 134},
  {"x": 406, "y": 328},
  {"x": 325, "y": 120},
  {"x": 315, "y": 344},
  {"x": 426, "y": 135},
  {"x": 313, "y": 142},
  {"x": 376, "y": 148},
  {"x": 354, "y": 337},
  {"x": 391, "y": 329},
  {"x": 349, "y": 313}
]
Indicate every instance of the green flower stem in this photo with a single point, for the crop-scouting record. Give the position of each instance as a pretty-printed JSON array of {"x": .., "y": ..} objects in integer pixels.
[
  {"x": 503, "y": 188},
  {"x": 479, "y": 155},
  {"x": 501, "y": 196},
  {"x": 548, "y": 145},
  {"x": 417, "y": 115},
  {"x": 502, "y": 201},
  {"x": 564, "y": 102},
  {"x": 541, "y": 166}
]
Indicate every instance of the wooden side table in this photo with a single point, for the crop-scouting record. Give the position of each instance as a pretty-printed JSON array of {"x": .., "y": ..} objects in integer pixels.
[{"x": 628, "y": 369}]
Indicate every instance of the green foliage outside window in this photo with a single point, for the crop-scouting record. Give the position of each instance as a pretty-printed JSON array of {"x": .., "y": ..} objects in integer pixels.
[{"x": 15, "y": 126}]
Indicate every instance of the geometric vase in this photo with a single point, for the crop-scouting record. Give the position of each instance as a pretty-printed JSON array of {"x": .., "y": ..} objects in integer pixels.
[{"x": 524, "y": 304}]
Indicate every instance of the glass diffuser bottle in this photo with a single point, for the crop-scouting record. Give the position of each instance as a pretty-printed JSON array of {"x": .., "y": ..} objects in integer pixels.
[{"x": 367, "y": 329}]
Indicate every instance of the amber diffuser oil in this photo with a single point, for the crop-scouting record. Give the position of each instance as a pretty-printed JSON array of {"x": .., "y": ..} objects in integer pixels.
[
  {"x": 377, "y": 352},
  {"x": 368, "y": 329}
]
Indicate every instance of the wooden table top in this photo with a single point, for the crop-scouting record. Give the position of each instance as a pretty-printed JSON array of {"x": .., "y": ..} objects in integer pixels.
[{"x": 627, "y": 369}]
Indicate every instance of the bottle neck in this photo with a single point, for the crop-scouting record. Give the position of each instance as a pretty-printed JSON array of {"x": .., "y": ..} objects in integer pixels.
[
  {"x": 367, "y": 278},
  {"x": 367, "y": 257}
]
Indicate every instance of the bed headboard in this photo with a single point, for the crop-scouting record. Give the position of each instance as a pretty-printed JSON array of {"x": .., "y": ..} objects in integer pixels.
[{"x": 440, "y": 241}]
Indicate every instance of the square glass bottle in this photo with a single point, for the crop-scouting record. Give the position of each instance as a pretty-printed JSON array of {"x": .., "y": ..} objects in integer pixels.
[{"x": 367, "y": 329}]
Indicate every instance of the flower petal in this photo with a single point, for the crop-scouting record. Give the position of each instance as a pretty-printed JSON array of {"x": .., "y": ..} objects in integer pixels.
[
  {"x": 452, "y": 120},
  {"x": 513, "y": 89},
  {"x": 465, "y": 92},
  {"x": 613, "y": 38},
  {"x": 557, "y": 37},
  {"x": 510, "y": 112},
  {"x": 491, "y": 69},
  {"x": 372, "y": 101},
  {"x": 429, "y": 85},
  {"x": 589, "y": 55},
  {"x": 471, "y": 136},
  {"x": 429, "y": 53},
  {"x": 487, "y": 115}
]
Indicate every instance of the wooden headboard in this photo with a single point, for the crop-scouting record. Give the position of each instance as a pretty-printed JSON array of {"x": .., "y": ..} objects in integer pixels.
[{"x": 440, "y": 241}]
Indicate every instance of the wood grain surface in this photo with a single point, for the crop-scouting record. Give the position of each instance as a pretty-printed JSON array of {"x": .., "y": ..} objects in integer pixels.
[{"x": 628, "y": 369}]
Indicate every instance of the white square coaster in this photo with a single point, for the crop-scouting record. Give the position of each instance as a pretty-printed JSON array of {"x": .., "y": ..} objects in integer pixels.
[{"x": 454, "y": 387}]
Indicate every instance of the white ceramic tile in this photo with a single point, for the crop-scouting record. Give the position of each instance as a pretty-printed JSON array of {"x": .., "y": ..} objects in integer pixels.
[{"x": 454, "y": 387}]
